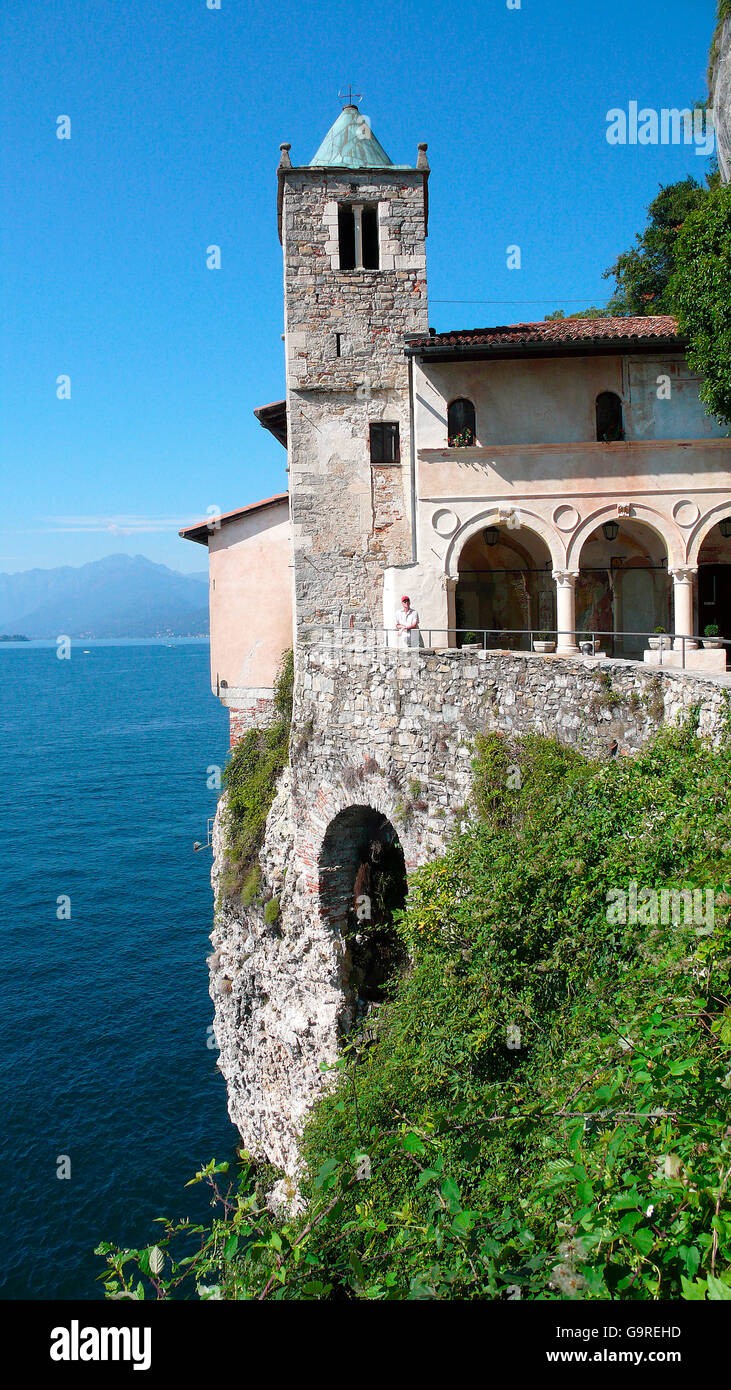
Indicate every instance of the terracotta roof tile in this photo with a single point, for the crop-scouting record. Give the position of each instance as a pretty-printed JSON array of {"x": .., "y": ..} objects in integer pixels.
[{"x": 555, "y": 331}]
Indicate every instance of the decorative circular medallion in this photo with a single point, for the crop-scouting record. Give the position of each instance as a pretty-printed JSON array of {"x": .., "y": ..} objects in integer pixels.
[
  {"x": 566, "y": 517},
  {"x": 445, "y": 522},
  {"x": 685, "y": 513}
]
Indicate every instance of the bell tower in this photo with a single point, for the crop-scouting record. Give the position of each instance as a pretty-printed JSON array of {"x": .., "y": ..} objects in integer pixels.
[{"x": 353, "y": 229}]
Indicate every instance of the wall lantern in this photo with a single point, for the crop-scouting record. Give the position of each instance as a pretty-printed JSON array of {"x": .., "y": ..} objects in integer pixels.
[
  {"x": 725, "y": 527},
  {"x": 491, "y": 535},
  {"x": 611, "y": 530}
]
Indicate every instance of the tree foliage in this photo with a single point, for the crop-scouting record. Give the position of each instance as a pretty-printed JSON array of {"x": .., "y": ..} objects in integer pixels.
[
  {"x": 700, "y": 295},
  {"x": 592, "y": 313},
  {"x": 545, "y": 1111},
  {"x": 643, "y": 273}
]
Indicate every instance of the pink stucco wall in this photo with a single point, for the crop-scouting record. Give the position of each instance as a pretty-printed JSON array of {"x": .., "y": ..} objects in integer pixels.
[{"x": 250, "y": 599}]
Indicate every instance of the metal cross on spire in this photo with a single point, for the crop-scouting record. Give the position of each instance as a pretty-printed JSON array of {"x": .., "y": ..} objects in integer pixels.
[{"x": 353, "y": 97}]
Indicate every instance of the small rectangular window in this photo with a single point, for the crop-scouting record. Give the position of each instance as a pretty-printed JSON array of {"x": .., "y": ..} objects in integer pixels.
[{"x": 385, "y": 444}]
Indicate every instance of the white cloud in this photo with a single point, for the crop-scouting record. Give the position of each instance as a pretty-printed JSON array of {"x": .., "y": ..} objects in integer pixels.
[{"x": 120, "y": 525}]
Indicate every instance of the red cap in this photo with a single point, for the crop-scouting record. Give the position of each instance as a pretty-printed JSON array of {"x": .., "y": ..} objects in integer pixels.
[{"x": 405, "y": 598}]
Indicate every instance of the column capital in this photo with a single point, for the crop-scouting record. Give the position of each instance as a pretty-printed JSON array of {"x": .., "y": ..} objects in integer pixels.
[
  {"x": 566, "y": 578},
  {"x": 683, "y": 577},
  {"x": 684, "y": 574}
]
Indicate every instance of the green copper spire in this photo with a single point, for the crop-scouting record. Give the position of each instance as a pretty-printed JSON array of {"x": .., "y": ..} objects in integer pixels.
[{"x": 351, "y": 144}]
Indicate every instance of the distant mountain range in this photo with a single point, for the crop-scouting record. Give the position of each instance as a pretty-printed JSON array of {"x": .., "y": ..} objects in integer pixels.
[{"x": 120, "y": 596}]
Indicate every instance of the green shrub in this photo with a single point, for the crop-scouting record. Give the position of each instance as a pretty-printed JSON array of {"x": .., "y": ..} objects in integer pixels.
[
  {"x": 607, "y": 697},
  {"x": 545, "y": 1107},
  {"x": 251, "y": 885},
  {"x": 653, "y": 698},
  {"x": 250, "y": 778},
  {"x": 271, "y": 911}
]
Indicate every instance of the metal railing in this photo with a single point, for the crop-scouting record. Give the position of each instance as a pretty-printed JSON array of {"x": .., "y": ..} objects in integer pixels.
[
  {"x": 208, "y": 842},
  {"x": 364, "y": 639}
]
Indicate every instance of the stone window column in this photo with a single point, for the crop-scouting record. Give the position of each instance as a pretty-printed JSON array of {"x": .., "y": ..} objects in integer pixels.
[
  {"x": 358, "y": 221},
  {"x": 451, "y": 634},
  {"x": 683, "y": 593},
  {"x": 566, "y": 611}
]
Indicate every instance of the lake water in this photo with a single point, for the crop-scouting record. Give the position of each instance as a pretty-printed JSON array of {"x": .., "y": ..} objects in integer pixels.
[{"x": 106, "y": 1015}]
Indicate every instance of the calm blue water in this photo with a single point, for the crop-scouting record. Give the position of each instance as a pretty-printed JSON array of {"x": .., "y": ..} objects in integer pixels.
[{"x": 105, "y": 1016}]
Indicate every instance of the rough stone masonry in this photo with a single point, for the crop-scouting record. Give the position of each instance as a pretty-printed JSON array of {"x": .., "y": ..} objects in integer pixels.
[
  {"x": 393, "y": 731},
  {"x": 721, "y": 97},
  {"x": 346, "y": 369}
]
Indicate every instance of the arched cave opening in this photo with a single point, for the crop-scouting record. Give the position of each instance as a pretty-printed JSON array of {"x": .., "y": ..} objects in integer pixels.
[{"x": 362, "y": 884}]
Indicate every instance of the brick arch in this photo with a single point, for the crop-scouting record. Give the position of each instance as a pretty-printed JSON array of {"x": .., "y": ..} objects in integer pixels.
[
  {"x": 345, "y": 839},
  {"x": 529, "y": 521},
  {"x": 330, "y": 798},
  {"x": 664, "y": 529},
  {"x": 703, "y": 527}
]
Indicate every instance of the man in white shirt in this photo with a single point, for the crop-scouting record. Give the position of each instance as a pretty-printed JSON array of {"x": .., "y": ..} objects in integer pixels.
[{"x": 407, "y": 624}]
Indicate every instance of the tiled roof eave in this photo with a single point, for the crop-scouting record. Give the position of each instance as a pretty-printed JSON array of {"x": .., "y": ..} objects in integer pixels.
[
  {"x": 543, "y": 347},
  {"x": 200, "y": 531},
  {"x": 551, "y": 336}
]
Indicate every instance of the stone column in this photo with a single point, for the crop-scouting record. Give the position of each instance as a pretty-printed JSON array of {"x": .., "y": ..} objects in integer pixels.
[
  {"x": 683, "y": 591},
  {"x": 449, "y": 638},
  {"x": 566, "y": 611},
  {"x": 357, "y": 218}
]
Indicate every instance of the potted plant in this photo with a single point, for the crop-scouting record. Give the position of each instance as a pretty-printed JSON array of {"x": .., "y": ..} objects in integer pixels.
[
  {"x": 543, "y": 642},
  {"x": 464, "y": 440},
  {"x": 471, "y": 642},
  {"x": 712, "y": 636},
  {"x": 661, "y": 642}
]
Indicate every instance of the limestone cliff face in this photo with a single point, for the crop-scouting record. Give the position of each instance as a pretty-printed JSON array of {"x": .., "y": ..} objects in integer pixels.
[
  {"x": 384, "y": 739},
  {"x": 277, "y": 993},
  {"x": 721, "y": 98}
]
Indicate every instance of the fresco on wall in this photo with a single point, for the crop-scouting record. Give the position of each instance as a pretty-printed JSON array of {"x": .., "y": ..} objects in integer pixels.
[
  {"x": 714, "y": 583},
  {"x": 594, "y": 605},
  {"x": 506, "y": 588},
  {"x": 507, "y": 603}
]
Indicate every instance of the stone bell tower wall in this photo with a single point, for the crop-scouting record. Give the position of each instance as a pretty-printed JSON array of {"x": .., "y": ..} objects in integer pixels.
[{"x": 345, "y": 332}]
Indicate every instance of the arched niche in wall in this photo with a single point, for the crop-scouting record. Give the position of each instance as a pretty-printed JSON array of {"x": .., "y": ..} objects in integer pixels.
[
  {"x": 609, "y": 418},
  {"x": 461, "y": 424},
  {"x": 362, "y": 882},
  {"x": 505, "y": 586},
  {"x": 714, "y": 579},
  {"x": 624, "y": 586}
]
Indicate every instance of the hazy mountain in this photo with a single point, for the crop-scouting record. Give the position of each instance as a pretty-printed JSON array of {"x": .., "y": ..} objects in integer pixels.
[{"x": 120, "y": 596}]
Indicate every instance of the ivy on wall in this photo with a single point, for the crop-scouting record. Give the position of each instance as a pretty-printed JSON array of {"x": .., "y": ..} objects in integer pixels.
[{"x": 250, "y": 779}]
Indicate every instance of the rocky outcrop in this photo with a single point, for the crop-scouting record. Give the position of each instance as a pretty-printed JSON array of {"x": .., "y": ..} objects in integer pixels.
[
  {"x": 386, "y": 734},
  {"x": 277, "y": 991},
  {"x": 721, "y": 96}
]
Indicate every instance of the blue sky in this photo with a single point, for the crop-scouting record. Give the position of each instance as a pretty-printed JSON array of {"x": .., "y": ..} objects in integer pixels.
[{"x": 177, "y": 112}]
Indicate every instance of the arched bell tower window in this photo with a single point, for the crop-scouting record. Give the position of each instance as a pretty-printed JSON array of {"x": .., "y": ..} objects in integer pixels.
[
  {"x": 461, "y": 423},
  {"x": 358, "y": 236},
  {"x": 609, "y": 418}
]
